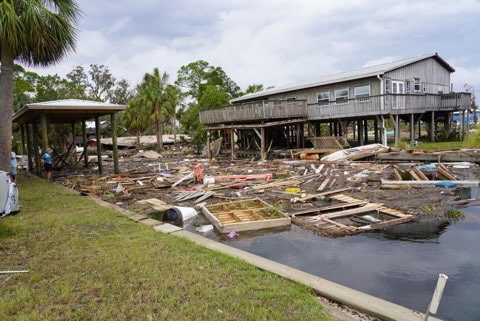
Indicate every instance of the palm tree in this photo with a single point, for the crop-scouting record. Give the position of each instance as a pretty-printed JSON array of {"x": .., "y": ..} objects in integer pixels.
[
  {"x": 174, "y": 98},
  {"x": 153, "y": 95},
  {"x": 136, "y": 118},
  {"x": 38, "y": 33}
]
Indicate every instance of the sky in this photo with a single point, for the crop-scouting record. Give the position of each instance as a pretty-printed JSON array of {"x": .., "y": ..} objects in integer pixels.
[{"x": 274, "y": 42}]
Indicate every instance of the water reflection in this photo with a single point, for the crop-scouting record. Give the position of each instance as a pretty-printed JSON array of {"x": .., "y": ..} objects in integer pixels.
[{"x": 423, "y": 232}]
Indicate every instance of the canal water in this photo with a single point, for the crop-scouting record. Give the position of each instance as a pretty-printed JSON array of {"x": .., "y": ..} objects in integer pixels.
[{"x": 400, "y": 264}]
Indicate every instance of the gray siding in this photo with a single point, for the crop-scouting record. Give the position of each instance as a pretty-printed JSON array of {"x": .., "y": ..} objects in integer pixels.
[
  {"x": 310, "y": 94},
  {"x": 433, "y": 76}
]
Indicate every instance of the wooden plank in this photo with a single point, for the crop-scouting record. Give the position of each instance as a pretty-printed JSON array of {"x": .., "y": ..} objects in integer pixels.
[
  {"x": 367, "y": 208},
  {"x": 323, "y": 185},
  {"x": 336, "y": 223},
  {"x": 276, "y": 184},
  {"x": 397, "y": 175},
  {"x": 308, "y": 197},
  {"x": 442, "y": 170},
  {"x": 414, "y": 175},
  {"x": 420, "y": 174}
]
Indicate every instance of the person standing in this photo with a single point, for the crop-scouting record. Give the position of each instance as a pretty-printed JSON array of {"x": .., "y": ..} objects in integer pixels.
[
  {"x": 13, "y": 166},
  {"x": 48, "y": 164}
]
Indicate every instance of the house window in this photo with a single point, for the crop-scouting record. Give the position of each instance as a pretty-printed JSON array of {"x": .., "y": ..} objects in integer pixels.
[
  {"x": 408, "y": 86},
  {"x": 341, "y": 96},
  {"x": 323, "y": 98},
  {"x": 416, "y": 86},
  {"x": 388, "y": 86},
  {"x": 362, "y": 93}
]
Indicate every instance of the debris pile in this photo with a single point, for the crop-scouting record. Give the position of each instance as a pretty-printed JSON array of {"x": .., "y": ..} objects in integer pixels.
[{"x": 335, "y": 196}]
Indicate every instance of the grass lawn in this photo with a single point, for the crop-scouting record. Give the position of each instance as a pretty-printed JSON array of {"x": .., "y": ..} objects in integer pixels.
[{"x": 86, "y": 262}]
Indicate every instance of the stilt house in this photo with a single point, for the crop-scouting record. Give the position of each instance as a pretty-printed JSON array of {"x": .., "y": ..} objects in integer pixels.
[{"x": 356, "y": 104}]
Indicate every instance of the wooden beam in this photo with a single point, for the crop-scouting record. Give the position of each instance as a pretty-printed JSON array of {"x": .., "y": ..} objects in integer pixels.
[
  {"x": 74, "y": 154},
  {"x": 29, "y": 148},
  {"x": 35, "y": 147},
  {"x": 84, "y": 139},
  {"x": 113, "y": 124},
  {"x": 260, "y": 125},
  {"x": 262, "y": 144},
  {"x": 22, "y": 137},
  {"x": 232, "y": 142},
  {"x": 99, "y": 144}
]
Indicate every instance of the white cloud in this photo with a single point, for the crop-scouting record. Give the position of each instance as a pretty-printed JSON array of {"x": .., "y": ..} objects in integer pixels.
[{"x": 275, "y": 42}]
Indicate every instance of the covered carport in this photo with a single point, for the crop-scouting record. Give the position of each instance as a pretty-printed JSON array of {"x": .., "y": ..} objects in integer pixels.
[{"x": 34, "y": 118}]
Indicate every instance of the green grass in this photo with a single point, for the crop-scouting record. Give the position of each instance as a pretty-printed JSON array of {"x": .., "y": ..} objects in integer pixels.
[
  {"x": 87, "y": 262},
  {"x": 441, "y": 145}
]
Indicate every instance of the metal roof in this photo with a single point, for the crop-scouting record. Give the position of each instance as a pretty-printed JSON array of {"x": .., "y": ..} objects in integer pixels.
[
  {"x": 365, "y": 72},
  {"x": 67, "y": 110}
]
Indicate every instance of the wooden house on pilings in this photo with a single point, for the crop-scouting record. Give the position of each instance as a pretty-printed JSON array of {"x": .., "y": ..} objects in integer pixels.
[{"x": 361, "y": 105}]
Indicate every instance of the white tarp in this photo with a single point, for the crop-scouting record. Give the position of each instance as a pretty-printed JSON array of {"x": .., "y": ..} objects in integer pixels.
[{"x": 9, "y": 202}]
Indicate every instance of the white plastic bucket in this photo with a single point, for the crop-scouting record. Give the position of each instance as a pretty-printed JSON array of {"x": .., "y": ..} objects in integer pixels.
[{"x": 178, "y": 213}]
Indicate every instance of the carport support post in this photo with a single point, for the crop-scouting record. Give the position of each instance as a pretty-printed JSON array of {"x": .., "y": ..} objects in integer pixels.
[
  {"x": 84, "y": 141},
  {"x": 113, "y": 123},
  {"x": 43, "y": 131},
  {"x": 99, "y": 145},
  {"x": 73, "y": 142},
  {"x": 35, "y": 147},
  {"x": 29, "y": 148},
  {"x": 22, "y": 134}
]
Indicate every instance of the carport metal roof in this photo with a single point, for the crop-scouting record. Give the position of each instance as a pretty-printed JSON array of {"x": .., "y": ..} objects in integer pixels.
[{"x": 66, "y": 111}]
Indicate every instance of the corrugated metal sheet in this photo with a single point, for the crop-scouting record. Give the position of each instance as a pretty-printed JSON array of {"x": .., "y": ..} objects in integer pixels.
[{"x": 344, "y": 76}]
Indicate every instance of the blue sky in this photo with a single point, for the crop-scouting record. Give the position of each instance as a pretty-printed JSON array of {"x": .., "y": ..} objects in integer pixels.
[{"x": 274, "y": 42}]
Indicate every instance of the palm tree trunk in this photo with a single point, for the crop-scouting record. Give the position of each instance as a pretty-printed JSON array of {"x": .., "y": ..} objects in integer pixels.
[
  {"x": 174, "y": 127},
  {"x": 157, "y": 132},
  {"x": 6, "y": 106},
  {"x": 161, "y": 135}
]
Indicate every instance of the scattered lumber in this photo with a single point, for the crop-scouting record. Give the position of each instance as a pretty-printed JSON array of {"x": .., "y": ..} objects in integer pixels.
[{"x": 312, "y": 196}]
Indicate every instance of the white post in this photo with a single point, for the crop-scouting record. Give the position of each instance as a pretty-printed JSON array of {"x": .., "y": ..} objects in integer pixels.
[{"x": 437, "y": 295}]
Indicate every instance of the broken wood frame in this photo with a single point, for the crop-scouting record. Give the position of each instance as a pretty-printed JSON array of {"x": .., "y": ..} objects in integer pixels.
[
  {"x": 353, "y": 210},
  {"x": 259, "y": 129},
  {"x": 244, "y": 215}
]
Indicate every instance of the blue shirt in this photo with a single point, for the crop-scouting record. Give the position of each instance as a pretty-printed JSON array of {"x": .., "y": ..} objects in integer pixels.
[
  {"x": 47, "y": 158},
  {"x": 13, "y": 162}
]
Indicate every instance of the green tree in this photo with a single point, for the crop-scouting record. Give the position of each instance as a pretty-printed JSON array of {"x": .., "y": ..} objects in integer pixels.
[
  {"x": 213, "y": 97},
  {"x": 53, "y": 87},
  {"x": 153, "y": 95},
  {"x": 39, "y": 33},
  {"x": 208, "y": 87},
  {"x": 24, "y": 83},
  {"x": 196, "y": 76},
  {"x": 100, "y": 84},
  {"x": 136, "y": 118},
  {"x": 253, "y": 88}
]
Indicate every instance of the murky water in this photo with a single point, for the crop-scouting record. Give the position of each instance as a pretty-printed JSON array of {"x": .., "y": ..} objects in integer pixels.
[{"x": 400, "y": 265}]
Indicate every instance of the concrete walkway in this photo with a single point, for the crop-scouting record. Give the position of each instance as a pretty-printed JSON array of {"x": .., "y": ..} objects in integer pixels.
[{"x": 360, "y": 301}]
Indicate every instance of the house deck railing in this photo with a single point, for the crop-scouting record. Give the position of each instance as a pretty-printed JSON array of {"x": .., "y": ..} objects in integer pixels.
[
  {"x": 367, "y": 106},
  {"x": 265, "y": 109},
  {"x": 390, "y": 104}
]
